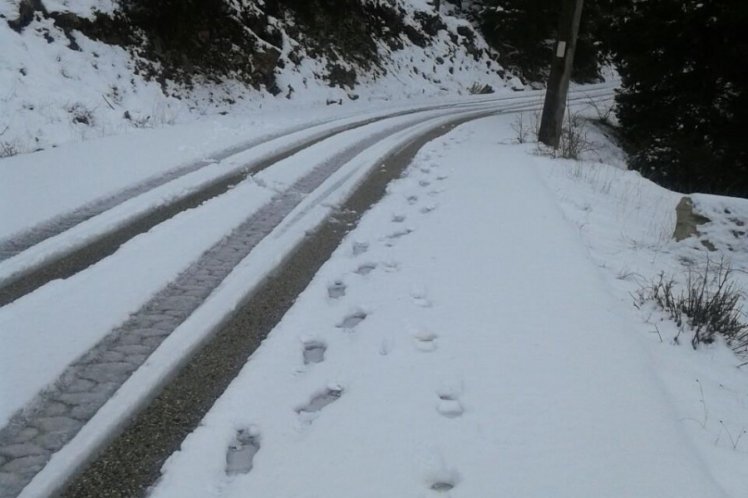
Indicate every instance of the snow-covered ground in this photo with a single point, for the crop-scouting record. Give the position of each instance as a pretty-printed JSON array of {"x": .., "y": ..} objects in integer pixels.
[
  {"x": 74, "y": 174},
  {"x": 475, "y": 336},
  {"x": 51, "y": 94},
  {"x": 96, "y": 300}
]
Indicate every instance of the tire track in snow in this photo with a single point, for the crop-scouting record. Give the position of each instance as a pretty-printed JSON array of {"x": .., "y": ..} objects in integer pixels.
[
  {"x": 21, "y": 241},
  {"x": 132, "y": 462},
  {"x": 69, "y": 261},
  {"x": 56, "y": 415},
  {"x": 66, "y": 264},
  {"x": 180, "y": 300}
]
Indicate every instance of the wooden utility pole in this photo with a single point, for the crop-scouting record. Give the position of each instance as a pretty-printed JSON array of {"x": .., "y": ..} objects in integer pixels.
[{"x": 552, "y": 120}]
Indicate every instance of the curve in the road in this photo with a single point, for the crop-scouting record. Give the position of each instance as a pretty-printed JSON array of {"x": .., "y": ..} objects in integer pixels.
[
  {"x": 22, "y": 241},
  {"x": 69, "y": 263},
  {"x": 91, "y": 380}
]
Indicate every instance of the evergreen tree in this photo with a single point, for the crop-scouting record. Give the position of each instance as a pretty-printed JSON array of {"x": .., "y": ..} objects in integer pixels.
[
  {"x": 684, "y": 98},
  {"x": 524, "y": 33}
]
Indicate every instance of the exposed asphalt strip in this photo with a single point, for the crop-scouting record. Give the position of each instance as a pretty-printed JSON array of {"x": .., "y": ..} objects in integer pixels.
[
  {"x": 133, "y": 460},
  {"x": 56, "y": 415},
  {"x": 79, "y": 259}
]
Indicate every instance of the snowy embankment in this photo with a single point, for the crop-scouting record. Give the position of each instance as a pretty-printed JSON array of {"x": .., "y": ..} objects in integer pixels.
[
  {"x": 53, "y": 92},
  {"x": 474, "y": 335}
]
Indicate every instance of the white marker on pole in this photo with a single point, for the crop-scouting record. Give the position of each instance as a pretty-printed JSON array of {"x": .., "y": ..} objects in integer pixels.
[{"x": 561, "y": 49}]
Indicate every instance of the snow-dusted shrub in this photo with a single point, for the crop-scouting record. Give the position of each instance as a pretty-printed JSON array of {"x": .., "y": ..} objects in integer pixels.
[
  {"x": 479, "y": 89},
  {"x": 80, "y": 114},
  {"x": 605, "y": 113},
  {"x": 525, "y": 130},
  {"x": 573, "y": 138},
  {"x": 573, "y": 142},
  {"x": 709, "y": 304},
  {"x": 8, "y": 149}
]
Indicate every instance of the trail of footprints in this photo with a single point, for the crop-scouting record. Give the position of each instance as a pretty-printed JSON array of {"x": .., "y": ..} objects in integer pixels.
[
  {"x": 240, "y": 454},
  {"x": 448, "y": 402}
]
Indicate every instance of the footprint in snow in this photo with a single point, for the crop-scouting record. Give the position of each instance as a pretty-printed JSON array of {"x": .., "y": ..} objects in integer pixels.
[
  {"x": 412, "y": 199},
  {"x": 424, "y": 183},
  {"x": 360, "y": 248},
  {"x": 419, "y": 296},
  {"x": 391, "y": 266},
  {"x": 386, "y": 346},
  {"x": 320, "y": 400},
  {"x": 428, "y": 208},
  {"x": 443, "y": 480},
  {"x": 241, "y": 452},
  {"x": 366, "y": 268},
  {"x": 449, "y": 407},
  {"x": 398, "y": 218},
  {"x": 449, "y": 404},
  {"x": 425, "y": 341},
  {"x": 394, "y": 236},
  {"x": 442, "y": 486},
  {"x": 336, "y": 290},
  {"x": 314, "y": 352},
  {"x": 351, "y": 321},
  {"x": 400, "y": 233}
]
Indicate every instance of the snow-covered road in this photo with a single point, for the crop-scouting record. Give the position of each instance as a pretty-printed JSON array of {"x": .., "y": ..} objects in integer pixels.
[
  {"x": 56, "y": 246},
  {"x": 460, "y": 339},
  {"x": 460, "y": 342},
  {"x": 127, "y": 291}
]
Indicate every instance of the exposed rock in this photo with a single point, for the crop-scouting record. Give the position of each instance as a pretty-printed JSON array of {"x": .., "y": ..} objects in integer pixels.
[{"x": 687, "y": 220}]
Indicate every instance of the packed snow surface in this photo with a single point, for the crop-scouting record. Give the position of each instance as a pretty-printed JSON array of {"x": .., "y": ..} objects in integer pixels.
[
  {"x": 464, "y": 340},
  {"x": 475, "y": 335},
  {"x": 96, "y": 300}
]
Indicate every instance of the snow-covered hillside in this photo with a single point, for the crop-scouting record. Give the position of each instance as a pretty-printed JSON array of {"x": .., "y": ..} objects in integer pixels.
[{"x": 58, "y": 85}]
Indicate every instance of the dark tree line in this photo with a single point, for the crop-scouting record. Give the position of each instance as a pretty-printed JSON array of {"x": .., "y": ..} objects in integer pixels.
[
  {"x": 683, "y": 103},
  {"x": 524, "y": 31},
  {"x": 684, "y": 97}
]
